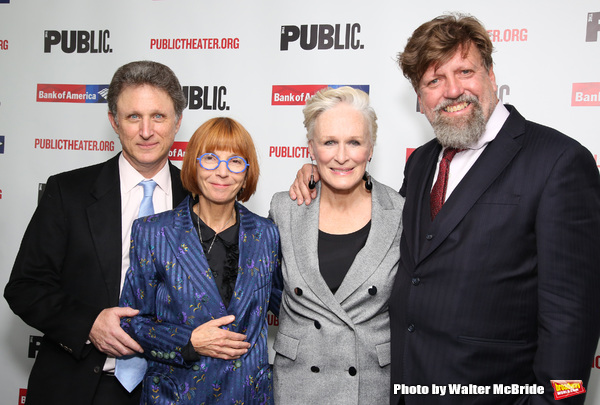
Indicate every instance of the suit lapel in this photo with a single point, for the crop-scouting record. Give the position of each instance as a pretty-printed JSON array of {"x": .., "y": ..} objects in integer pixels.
[
  {"x": 384, "y": 227},
  {"x": 494, "y": 159},
  {"x": 177, "y": 190},
  {"x": 104, "y": 218},
  {"x": 420, "y": 183},
  {"x": 185, "y": 245},
  {"x": 305, "y": 244},
  {"x": 251, "y": 259}
]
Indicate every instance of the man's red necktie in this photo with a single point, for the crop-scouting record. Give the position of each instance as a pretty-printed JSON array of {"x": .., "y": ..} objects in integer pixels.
[{"x": 438, "y": 192}]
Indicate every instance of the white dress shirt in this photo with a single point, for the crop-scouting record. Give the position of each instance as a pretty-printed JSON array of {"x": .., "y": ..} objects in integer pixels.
[{"x": 131, "y": 197}]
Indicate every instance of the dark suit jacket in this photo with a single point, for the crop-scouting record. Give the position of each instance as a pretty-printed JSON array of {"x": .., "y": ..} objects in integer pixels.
[
  {"x": 67, "y": 271},
  {"x": 502, "y": 287}
]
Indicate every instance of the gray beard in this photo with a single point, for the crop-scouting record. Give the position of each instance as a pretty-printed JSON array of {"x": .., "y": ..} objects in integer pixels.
[{"x": 462, "y": 133}]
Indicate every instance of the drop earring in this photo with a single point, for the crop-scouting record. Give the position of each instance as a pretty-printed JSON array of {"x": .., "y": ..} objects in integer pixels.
[
  {"x": 311, "y": 183},
  {"x": 367, "y": 178}
]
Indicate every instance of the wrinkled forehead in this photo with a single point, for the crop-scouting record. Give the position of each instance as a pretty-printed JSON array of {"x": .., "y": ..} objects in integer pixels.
[
  {"x": 131, "y": 92},
  {"x": 461, "y": 54}
]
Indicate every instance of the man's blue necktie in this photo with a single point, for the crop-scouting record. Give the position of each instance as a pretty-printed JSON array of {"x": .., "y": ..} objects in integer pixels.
[
  {"x": 130, "y": 370},
  {"x": 146, "y": 207}
]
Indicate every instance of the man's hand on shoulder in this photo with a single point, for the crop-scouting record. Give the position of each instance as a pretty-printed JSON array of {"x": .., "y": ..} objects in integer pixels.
[
  {"x": 108, "y": 336},
  {"x": 299, "y": 190}
]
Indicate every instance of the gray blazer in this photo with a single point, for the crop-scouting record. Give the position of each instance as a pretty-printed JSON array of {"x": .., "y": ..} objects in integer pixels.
[{"x": 335, "y": 349}]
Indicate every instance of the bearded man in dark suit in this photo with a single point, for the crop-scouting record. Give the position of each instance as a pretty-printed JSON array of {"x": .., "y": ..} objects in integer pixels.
[{"x": 499, "y": 278}]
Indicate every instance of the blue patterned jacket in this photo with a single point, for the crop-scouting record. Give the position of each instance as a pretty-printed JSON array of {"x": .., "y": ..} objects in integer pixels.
[{"x": 170, "y": 283}]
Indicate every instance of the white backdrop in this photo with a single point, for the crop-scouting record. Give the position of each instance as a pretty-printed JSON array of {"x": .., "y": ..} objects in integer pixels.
[{"x": 546, "y": 63}]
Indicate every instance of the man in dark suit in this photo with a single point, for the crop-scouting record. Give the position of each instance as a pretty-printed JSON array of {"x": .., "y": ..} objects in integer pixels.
[
  {"x": 499, "y": 285},
  {"x": 499, "y": 257},
  {"x": 68, "y": 273}
]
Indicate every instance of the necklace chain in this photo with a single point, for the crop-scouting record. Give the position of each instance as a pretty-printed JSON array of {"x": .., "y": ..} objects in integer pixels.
[{"x": 216, "y": 233}]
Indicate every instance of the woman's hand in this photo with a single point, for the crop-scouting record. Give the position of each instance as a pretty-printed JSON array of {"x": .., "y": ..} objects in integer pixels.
[{"x": 209, "y": 339}]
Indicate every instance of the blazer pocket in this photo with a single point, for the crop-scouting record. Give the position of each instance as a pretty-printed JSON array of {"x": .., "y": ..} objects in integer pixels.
[
  {"x": 157, "y": 383},
  {"x": 493, "y": 342},
  {"x": 286, "y": 346},
  {"x": 384, "y": 354}
]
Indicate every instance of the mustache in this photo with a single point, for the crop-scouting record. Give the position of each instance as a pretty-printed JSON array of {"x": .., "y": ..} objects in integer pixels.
[{"x": 469, "y": 98}]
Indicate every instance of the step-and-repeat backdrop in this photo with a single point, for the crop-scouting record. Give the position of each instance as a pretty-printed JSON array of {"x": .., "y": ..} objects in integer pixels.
[{"x": 256, "y": 61}]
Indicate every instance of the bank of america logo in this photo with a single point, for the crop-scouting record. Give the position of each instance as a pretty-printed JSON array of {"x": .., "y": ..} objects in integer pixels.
[{"x": 103, "y": 92}]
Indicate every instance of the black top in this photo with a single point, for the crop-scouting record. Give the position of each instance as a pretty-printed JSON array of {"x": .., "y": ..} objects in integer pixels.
[
  {"x": 223, "y": 256},
  {"x": 222, "y": 261},
  {"x": 337, "y": 253}
]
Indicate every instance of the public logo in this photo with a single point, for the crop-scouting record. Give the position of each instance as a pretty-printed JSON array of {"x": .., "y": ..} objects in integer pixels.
[
  {"x": 34, "y": 346},
  {"x": 194, "y": 43},
  {"x": 298, "y": 152},
  {"x": 321, "y": 37},
  {"x": 72, "y": 93},
  {"x": 77, "y": 41},
  {"x": 585, "y": 94},
  {"x": 567, "y": 388},
  {"x": 3, "y": 44},
  {"x": 508, "y": 35},
  {"x": 272, "y": 320},
  {"x": 177, "y": 151},
  {"x": 593, "y": 27},
  {"x": 206, "y": 97},
  {"x": 503, "y": 91},
  {"x": 1, "y": 144},
  {"x": 298, "y": 94},
  {"x": 74, "y": 144}
]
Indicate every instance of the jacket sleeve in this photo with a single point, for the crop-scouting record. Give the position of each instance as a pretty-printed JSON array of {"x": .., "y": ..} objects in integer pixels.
[
  {"x": 35, "y": 292},
  {"x": 145, "y": 289},
  {"x": 277, "y": 276},
  {"x": 568, "y": 241}
]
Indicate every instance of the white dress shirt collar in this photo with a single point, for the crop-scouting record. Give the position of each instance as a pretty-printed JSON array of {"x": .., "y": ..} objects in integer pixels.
[
  {"x": 131, "y": 177},
  {"x": 493, "y": 126}
]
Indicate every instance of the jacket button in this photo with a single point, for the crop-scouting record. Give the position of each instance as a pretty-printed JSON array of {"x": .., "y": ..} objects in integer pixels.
[
  {"x": 317, "y": 324},
  {"x": 416, "y": 281},
  {"x": 411, "y": 328},
  {"x": 372, "y": 290},
  {"x": 352, "y": 371},
  {"x": 314, "y": 369},
  {"x": 195, "y": 367},
  {"x": 429, "y": 236},
  {"x": 298, "y": 291},
  {"x": 97, "y": 369}
]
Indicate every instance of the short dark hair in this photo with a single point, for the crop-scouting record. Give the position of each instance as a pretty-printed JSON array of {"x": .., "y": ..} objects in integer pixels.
[
  {"x": 220, "y": 133},
  {"x": 436, "y": 41},
  {"x": 145, "y": 72}
]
